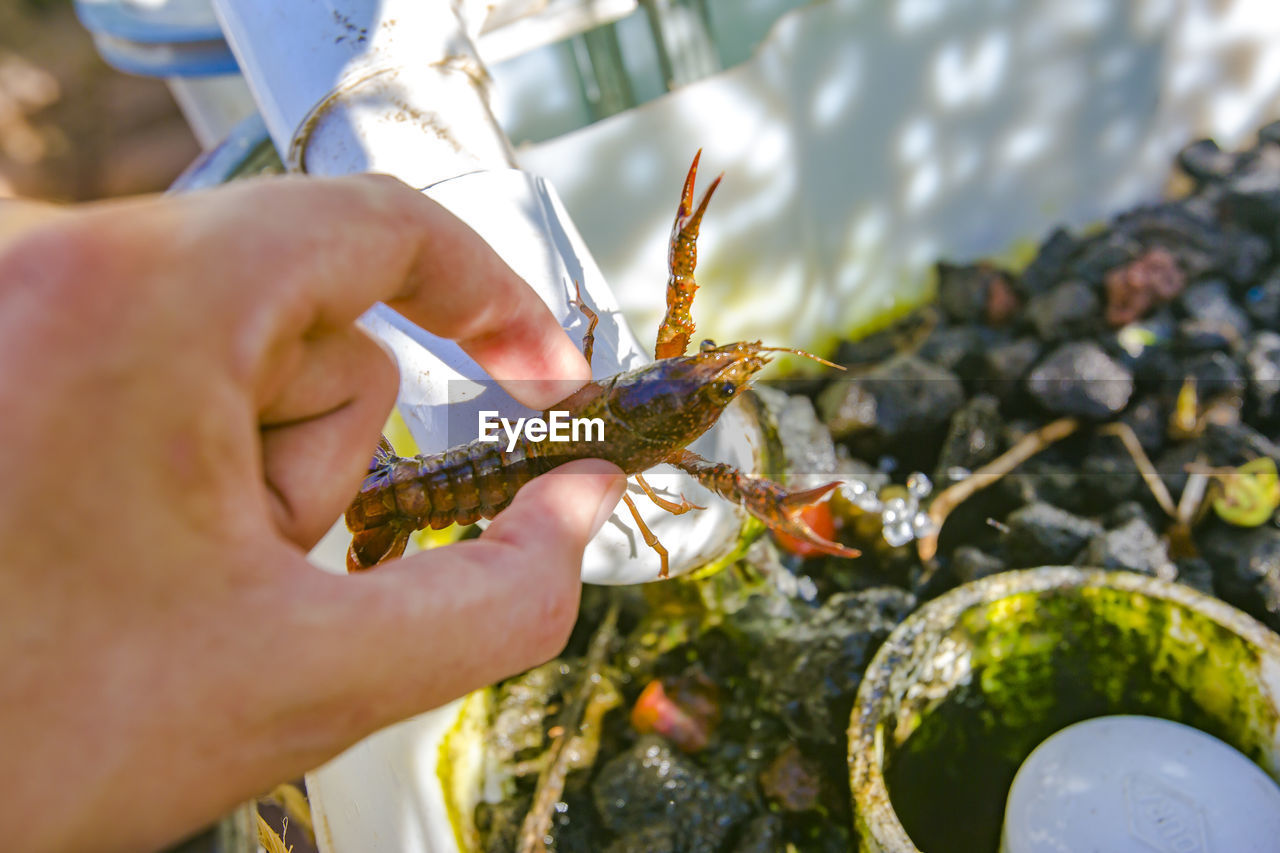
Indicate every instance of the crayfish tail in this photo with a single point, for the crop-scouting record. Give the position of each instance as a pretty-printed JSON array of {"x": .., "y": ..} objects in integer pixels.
[{"x": 375, "y": 545}]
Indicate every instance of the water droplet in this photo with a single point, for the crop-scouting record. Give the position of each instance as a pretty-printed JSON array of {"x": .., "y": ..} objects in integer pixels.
[
  {"x": 919, "y": 485},
  {"x": 898, "y": 534},
  {"x": 924, "y": 525},
  {"x": 956, "y": 473},
  {"x": 852, "y": 488},
  {"x": 868, "y": 502}
]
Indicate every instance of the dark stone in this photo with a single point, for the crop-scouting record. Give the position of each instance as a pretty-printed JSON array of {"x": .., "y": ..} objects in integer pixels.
[
  {"x": 1211, "y": 303},
  {"x": 970, "y": 564},
  {"x": 1067, "y": 310},
  {"x": 1080, "y": 379},
  {"x": 959, "y": 349},
  {"x": 906, "y": 398},
  {"x": 1043, "y": 535},
  {"x": 1262, "y": 362},
  {"x": 763, "y": 834},
  {"x": 1149, "y": 420},
  {"x": 1101, "y": 254},
  {"x": 1108, "y": 475},
  {"x": 1206, "y": 162},
  {"x": 653, "y": 787},
  {"x": 1246, "y": 255},
  {"x": 1262, "y": 302},
  {"x": 1005, "y": 365},
  {"x": 1043, "y": 481},
  {"x": 1196, "y": 573},
  {"x": 1046, "y": 269},
  {"x": 1269, "y": 134},
  {"x": 964, "y": 291},
  {"x": 973, "y": 437},
  {"x": 1203, "y": 336},
  {"x": 1246, "y": 567},
  {"x": 1125, "y": 512},
  {"x": 1214, "y": 373},
  {"x": 647, "y": 839},
  {"x": 809, "y": 668},
  {"x": 1133, "y": 547}
]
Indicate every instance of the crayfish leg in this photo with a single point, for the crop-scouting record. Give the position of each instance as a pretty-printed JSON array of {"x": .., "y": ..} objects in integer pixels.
[
  {"x": 764, "y": 499},
  {"x": 677, "y": 327},
  {"x": 670, "y": 506},
  {"x": 588, "y": 339},
  {"x": 649, "y": 538}
]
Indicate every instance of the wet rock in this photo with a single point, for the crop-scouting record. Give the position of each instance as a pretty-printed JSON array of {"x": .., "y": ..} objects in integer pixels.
[
  {"x": 1067, "y": 310},
  {"x": 1262, "y": 302},
  {"x": 969, "y": 563},
  {"x": 1269, "y": 134},
  {"x": 966, "y": 292},
  {"x": 1123, "y": 513},
  {"x": 903, "y": 399},
  {"x": 1044, "y": 535},
  {"x": 1005, "y": 365},
  {"x": 1204, "y": 336},
  {"x": 652, "y": 787},
  {"x": 791, "y": 780},
  {"x": 1135, "y": 287},
  {"x": 1134, "y": 547},
  {"x": 1148, "y": 418},
  {"x": 1108, "y": 475},
  {"x": 1080, "y": 379},
  {"x": 1244, "y": 258},
  {"x": 1043, "y": 481},
  {"x": 763, "y": 834},
  {"x": 1262, "y": 362},
  {"x": 1214, "y": 373},
  {"x": 808, "y": 668},
  {"x": 959, "y": 349},
  {"x": 1196, "y": 573},
  {"x": 646, "y": 840},
  {"x": 1246, "y": 564},
  {"x": 1211, "y": 304},
  {"x": 973, "y": 437},
  {"x": 1049, "y": 265},
  {"x": 1204, "y": 161}
]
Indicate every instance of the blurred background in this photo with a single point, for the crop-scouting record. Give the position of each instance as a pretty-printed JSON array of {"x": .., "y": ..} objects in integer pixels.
[{"x": 71, "y": 127}]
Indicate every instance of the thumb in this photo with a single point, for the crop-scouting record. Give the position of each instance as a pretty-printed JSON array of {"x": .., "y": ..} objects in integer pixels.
[{"x": 424, "y": 630}]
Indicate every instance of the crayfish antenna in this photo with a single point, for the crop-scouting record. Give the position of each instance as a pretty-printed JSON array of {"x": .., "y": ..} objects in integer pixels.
[{"x": 804, "y": 354}]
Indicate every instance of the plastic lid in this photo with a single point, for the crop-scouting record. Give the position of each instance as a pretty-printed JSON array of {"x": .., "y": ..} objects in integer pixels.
[{"x": 1140, "y": 784}]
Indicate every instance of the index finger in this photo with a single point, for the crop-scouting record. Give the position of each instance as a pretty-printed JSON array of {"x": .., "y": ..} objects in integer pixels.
[{"x": 335, "y": 246}]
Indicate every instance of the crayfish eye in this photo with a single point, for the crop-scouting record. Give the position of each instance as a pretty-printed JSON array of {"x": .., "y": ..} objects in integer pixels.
[
  {"x": 707, "y": 346},
  {"x": 728, "y": 389}
]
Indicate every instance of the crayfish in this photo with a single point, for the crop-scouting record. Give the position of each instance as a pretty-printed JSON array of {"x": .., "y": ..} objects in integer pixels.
[{"x": 651, "y": 414}]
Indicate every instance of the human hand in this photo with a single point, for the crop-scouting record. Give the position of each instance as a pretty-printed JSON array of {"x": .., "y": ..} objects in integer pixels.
[{"x": 187, "y": 407}]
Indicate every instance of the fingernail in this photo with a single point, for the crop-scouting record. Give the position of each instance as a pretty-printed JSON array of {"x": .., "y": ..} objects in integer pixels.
[{"x": 608, "y": 502}]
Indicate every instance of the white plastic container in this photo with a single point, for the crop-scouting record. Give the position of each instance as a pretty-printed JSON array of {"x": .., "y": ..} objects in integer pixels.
[{"x": 1133, "y": 784}]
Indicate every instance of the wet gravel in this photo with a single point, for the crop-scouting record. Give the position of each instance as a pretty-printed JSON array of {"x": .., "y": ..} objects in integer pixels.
[{"x": 1165, "y": 320}]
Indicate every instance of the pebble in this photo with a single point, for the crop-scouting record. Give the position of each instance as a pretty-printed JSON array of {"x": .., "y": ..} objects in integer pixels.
[
  {"x": 1080, "y": 379},
  {"x": 1041, "y": 534},
  {"x": 1067, "y": 310},
  {"x": 1134, "y": 547}
]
